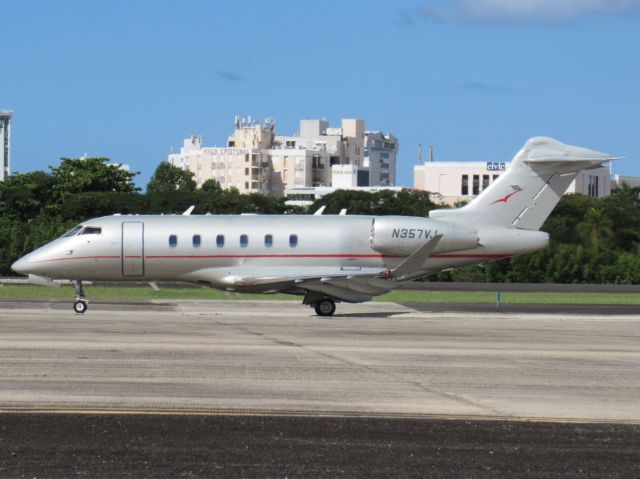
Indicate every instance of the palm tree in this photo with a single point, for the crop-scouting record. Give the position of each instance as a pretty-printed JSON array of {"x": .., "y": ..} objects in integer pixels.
[{"x": 595, "y": 227}]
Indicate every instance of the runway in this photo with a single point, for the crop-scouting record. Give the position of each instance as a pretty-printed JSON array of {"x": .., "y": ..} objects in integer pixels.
[
  {"x": 375, "y": 359},
  {"x": 267, "y": 389}
]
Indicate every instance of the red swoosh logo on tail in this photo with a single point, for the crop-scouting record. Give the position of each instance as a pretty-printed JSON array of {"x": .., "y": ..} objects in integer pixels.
[{"x": 504, "y": 199}]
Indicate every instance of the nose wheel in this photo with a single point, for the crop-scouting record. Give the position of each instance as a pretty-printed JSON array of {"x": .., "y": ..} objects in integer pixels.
[
  {"x": 81, "y": 304},
  {"x": 325, "y": 307}
]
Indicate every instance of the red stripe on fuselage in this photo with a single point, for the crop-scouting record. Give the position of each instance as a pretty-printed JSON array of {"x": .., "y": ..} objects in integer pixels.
[{"x": 440, "y": 256}]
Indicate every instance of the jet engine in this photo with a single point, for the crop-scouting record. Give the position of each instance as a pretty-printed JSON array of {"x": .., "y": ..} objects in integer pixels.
[{"x": 401, "y": 235}]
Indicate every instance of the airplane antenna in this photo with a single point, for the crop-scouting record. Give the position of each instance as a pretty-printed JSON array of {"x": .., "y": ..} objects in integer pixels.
[
  {"x": 343, "y": 212},
  {"x": 320, "y": 210},
  {"x": 188, "y": 211}
]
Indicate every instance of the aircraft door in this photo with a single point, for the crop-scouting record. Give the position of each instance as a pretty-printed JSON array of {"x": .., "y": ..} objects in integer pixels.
[{"x": 132, "y": 248}]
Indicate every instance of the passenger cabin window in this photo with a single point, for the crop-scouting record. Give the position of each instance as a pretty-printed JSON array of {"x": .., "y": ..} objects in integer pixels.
[
  {"x": 91, "y": 230},
  {"x": 220, "y": 241},
  {"x": 173, "y": 241},
  {"x": 196, "y": 241},
  {"x": 72, "y": 232},
  {"x": 268, "y": 241},
  {"x": 293, "y": 241},
  {"x": 244, "y": 241}
]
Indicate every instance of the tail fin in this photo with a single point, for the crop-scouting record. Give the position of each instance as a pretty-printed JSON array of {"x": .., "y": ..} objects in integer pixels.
[{"x": 525, "y": 194}]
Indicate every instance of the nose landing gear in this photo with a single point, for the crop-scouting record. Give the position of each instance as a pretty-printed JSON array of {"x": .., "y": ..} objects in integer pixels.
[{"x": 81, "y": 304}]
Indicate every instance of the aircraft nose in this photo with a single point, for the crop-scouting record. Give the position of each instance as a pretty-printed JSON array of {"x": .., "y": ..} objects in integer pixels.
[{"x": 21, "y": 266}]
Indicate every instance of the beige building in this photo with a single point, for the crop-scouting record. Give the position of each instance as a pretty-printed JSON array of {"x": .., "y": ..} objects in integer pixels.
[
  {"x": 256, "y": 160},
  {"x": 452, "y": 182}
]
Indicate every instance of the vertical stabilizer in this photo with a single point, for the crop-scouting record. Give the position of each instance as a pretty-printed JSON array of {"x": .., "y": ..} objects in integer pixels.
[{"x": 524, "y": 196}]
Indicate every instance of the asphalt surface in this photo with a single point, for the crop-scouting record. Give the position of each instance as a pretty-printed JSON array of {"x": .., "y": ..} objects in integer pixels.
[
  {"x": 267, "y": 389},
  {"x": 63, "y": 445}
]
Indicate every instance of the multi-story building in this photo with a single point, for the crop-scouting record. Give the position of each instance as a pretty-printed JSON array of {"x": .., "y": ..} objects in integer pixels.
[
  {"x": 380, "y": 153},
  {"x": 257, "y": 160},
  {"x": 242, "y": 164},
  {"x": 452, "y": 182},
  {"x": 5, "y": 143}
]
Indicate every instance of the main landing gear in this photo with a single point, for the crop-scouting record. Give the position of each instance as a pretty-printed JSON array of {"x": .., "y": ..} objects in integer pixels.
[
  {"x": 81, "y": 304},
  {"x": 325, "y": 307}
]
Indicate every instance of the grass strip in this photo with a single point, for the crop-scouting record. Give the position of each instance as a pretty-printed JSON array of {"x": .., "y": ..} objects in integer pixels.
[{"x": 483, "y": 297}]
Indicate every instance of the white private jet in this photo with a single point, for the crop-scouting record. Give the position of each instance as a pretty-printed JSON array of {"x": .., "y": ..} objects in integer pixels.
[{"x": 325, "y": 259}]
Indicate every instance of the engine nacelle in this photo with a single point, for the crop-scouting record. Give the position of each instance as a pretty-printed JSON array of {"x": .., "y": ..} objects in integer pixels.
[{"x": 401, "y": 235}]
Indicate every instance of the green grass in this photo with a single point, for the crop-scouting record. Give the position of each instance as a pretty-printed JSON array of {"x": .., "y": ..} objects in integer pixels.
[
  {"x": 147, "y": 293},
  {"x": 131, "y": 293},
  {"x": 488, "y": 297}
]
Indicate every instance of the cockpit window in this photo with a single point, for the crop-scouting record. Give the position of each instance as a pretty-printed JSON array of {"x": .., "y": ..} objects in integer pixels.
[
  {"x": 91, "y": 230},
  {"x": 72, "y": 232}
]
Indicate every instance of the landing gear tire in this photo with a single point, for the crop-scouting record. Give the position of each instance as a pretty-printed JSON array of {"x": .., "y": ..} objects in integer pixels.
[
  {"x": 325, "y": 307},
  {"x": 80, "y": 306}
]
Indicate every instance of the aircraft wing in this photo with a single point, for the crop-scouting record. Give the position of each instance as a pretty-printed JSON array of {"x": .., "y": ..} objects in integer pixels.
[
  {"x": 350, "y": 285},
  {"x": 345, "y": 283}
]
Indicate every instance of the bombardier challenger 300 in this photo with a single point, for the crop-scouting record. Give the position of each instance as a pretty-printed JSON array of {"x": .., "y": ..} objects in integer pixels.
[{"x": 324, "y": 259}]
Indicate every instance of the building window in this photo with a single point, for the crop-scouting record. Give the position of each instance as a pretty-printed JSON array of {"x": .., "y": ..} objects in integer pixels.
[
  {"x": 592, "y": 186},
  {"x": 476, "y": 184},
  {"x": 495, "y": 177},
  {"x": 485, "y": 182},
  {"x": 465, "y": 185},
  {"x": 244, "y": 241},
  {"x": 293, "y": 240},
  {"x": 220, "y": 241},
  {"x": 173, "y": 241},
  {"x": 196, "y": 241},
  {"x": 268, "y": 241},
  {"x": 231, "y": 143}
]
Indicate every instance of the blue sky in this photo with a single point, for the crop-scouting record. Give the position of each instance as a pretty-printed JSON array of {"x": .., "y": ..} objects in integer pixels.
[{"x": 474, "y": 78}]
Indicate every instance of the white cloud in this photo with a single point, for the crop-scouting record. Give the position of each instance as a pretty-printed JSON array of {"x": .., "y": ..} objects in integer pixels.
[{"x": 525, "y": 11}]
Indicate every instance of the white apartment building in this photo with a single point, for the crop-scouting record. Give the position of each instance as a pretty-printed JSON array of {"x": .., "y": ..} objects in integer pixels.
[
  {"x": 452, "y": 182},
  {"x": 257, "y": 160},
  {"x": 380, "y": 152}
]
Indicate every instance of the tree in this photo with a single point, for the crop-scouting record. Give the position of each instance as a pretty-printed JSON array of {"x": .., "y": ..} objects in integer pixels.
[
  {"x": 385, "y": 202},
  {"x": 211, "y": 186},
  {"x": 623, "y": 207},
  {"x": 595, "y": 227},
  {"x": 170, "y": 178},
  {"x": 90, "y": 174},
  {"x": 24, "y": 195}
]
